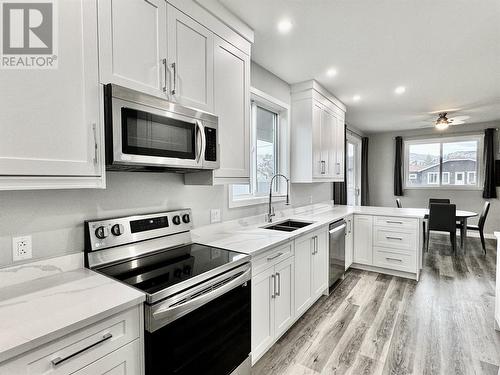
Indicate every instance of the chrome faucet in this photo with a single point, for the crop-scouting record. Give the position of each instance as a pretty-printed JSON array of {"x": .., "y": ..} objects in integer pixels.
[{"x": 270, "y": 212}]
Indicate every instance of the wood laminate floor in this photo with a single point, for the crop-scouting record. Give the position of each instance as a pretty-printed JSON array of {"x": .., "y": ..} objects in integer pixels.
[{"x": 378, "y": 324}]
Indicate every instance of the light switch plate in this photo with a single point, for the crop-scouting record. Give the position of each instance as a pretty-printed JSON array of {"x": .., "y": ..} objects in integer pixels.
[
  {"x": 215, "y": 215},
  {"x": 21, "y": 248}
]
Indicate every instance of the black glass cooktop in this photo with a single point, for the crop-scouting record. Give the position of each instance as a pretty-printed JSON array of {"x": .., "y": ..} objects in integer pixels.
[{"x": 163, "y": 269}]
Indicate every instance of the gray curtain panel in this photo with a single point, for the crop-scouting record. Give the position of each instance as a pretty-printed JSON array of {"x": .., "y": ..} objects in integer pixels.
[
  {"x": 340, "y": 188},
  {"x": 398, "y": 168},
  {"x": 489, "y": 190},
  {"x": 365, "y": 197}
]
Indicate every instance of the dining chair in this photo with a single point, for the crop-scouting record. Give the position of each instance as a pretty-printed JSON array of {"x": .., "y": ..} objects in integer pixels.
[
  {"x": 443, "y": 217},
  {"x": 438, "y": 200},
  {"x": 480, "y": 224},
  {"x": 398, "y": 203}
]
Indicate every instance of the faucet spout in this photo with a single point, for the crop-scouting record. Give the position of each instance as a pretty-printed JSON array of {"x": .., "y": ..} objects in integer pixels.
[{"x": 270, "y": 212}]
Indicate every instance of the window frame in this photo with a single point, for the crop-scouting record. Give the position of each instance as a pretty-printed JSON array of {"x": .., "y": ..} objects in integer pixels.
[
  {"x": 461, "y": 137},
  {"x": 270, "y": 103},
  {"x": 475, "y": 177},
  {"x": 442, "y": 179},
  {"x": 463, "y": 177},
  {"x": 436, "y": 174}
]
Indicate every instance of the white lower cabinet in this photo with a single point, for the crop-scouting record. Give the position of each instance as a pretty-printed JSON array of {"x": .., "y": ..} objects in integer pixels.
[
  {"x": 363, "y": 252},
  {"x": 349, "y": 242},
  {"x": 272, "y": 305},
  {"x": 319, "y": 272},
  {"x": 111, "y": 346},
  {"x": 303, "y": 266}
]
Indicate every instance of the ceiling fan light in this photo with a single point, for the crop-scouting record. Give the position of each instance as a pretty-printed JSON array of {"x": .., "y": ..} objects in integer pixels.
[{"x": 442, "y": 125}]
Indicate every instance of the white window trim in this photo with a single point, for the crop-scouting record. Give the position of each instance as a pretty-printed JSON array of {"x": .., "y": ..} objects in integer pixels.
[
  {"x": 448, "y": 181},
  {"x": 436, "y": 174},
  {"x": 463, "y": 178},
  {"x": 267, "y": 101},
  {"x": 439, "y": 139}
]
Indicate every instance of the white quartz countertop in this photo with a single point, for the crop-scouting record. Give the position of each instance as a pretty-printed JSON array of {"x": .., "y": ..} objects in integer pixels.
[
  {"x": 248, "y": 235},
  {"x": 497, "y": 235},
  {"x": 37, "y": 311}
]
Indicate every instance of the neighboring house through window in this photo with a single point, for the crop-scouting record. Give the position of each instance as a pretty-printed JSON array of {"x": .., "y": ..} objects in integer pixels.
[
  {"x": 451, "y": 162},
  {"x": 269, "y": 151}
]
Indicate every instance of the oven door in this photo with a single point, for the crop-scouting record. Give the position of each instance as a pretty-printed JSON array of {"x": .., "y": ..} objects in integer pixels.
[
  {"x": 206, "y": 333},
  {"x": 148, "y": 136}
]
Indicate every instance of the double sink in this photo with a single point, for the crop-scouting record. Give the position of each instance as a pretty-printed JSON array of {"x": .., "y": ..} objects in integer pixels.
[{"x": 288, "y": 225}]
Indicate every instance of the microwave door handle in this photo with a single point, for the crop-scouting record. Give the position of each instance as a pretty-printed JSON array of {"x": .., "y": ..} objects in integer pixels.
[
  {"x": 198, "y": 141},
  {"x": 203, "y": 139}
]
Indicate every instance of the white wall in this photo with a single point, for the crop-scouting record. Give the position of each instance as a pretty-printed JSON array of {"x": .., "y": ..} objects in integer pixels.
[
  {"x": 55, "y": 218},
  {"x": 381, "y": 176}
]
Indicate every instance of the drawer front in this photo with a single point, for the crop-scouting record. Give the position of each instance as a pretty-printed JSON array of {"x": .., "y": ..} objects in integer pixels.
[
  {"x": 398, "y": 239},
  {"x": 395, "y": 222},
  {"x": 387, "y": 258},
  {"x": 271, "y": 257},
  {"x": 77, "y": 350},
  {"x": 124, "y": 361}
]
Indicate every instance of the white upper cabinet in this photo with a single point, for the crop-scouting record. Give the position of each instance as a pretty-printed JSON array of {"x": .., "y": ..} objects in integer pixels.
[
  {"x": 133, "y": 44},
  {"x": 51, "y": 127},
  {"x": 191, "y": 61},
  {"x": 232, "y": 105},
  {"x": 317, "y": 136}
]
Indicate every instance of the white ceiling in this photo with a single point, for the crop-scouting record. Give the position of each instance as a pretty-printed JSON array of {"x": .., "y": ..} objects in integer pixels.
[{"x": 445, "y": 52}]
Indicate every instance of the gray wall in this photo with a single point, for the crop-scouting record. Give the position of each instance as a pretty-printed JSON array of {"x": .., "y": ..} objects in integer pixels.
[
  {"x": 381, "y": 175},
  {"x": 55, "y": 217}
]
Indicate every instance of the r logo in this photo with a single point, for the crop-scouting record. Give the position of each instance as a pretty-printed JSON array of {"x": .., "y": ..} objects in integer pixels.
[{"x": 27, "y": 28}]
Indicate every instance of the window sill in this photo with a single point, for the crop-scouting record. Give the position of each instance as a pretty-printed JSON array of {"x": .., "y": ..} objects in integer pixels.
[
  {"x": 466, "y": 188},
  {"x": 253, "y": 201}
]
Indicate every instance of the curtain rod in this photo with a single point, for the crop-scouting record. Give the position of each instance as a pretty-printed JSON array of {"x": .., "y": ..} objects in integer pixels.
[{"x": 447, "y": 135}]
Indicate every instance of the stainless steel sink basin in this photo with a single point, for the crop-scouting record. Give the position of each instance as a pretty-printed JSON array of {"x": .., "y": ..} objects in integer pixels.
[{"x": 288, "y": 225}]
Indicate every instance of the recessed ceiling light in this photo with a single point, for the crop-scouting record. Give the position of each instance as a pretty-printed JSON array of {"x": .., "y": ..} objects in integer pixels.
[
  {"x": 356, "y": 98},
  {"x": 331, "y": 72},
  {"x": 400, "y": 90},
  {"x": 284, "y": 26}
]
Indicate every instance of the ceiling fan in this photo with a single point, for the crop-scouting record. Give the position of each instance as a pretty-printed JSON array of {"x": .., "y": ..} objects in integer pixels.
[{"x": 443, "y": 122}]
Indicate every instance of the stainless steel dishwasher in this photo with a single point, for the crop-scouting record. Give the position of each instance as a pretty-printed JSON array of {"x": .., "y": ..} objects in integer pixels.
[{"x": 337, "y": 251}]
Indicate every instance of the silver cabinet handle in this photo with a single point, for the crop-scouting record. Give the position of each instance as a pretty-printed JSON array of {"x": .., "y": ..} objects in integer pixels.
[
  {"x": 395, "y": 259},
  {"x": 278, "y": 278},
  {"x": 174, "y": 68},
  {"x": 323, "y": 167},
  {"x": 57, "y": 361},
  {"x": 338, "y": 168},
  {"x": 164, "y": 62},
  {"x": 393, "y": 222},
  {"x": 394, "y": 238},
  {"x": 273, "y": 294},
  {"x": 315, "y": 245},
  {"x": 274, "y": 256},
  {"x": 94, "y": 129}
]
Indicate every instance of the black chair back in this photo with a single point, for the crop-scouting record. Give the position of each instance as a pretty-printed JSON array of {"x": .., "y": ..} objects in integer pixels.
[
  {"x": 443, "y": 217},
  {"x": 438, "y": 200},
  {"x": 484, "y": 213},
  {"x": 398, "y": 203}
]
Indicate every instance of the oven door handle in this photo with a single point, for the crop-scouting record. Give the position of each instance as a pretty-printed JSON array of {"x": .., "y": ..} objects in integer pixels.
[
  {"x": 203, "y": 146},
  {"x": 172, "y": 311}
]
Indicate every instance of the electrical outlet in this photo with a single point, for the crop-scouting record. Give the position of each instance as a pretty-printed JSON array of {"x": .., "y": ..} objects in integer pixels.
[
  {"x": 21, "y": 248},
  {"x": 215, "y": 215}
]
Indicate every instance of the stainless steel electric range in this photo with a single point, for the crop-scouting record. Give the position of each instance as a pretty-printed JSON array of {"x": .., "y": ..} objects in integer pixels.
[{"x": 197, "y": 310}]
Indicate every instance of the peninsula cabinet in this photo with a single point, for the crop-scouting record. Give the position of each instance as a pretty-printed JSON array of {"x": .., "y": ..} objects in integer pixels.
[
  {"x": 52, "y": 135},
  {"x": 349, "y": 241},
  {"x": 317, "y": 135},
  {"x": 363, "y": 253}
]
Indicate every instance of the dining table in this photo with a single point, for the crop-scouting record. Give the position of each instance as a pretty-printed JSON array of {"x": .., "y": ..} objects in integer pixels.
[{"x": 462, "y": 216}]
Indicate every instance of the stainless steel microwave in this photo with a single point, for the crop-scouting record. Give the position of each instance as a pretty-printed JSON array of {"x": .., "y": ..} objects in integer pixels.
[{"x": 148, "y": 133}]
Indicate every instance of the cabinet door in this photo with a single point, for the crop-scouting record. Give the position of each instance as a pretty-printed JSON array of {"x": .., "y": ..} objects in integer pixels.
[
  {"x": 124, "y": 361},
  {"x": 363, "y": 249},
  {"x": 232, "y": 105},
  {"x": 50, "y": 117},
  {"x": 284, "y": 308},
  {"x": 339, "y": 148},
  {"x": 191, "y": 61},
  {"x": 349, "y": 243},
  {"x": 328, "y": 143},
  {"x": 303, "y": 265},
  {"x": 320, "y": 263},
  {"x": 319, "y": 165},
  {"x": 262, "y": 312},
  {"x": 133, "y": 44}
]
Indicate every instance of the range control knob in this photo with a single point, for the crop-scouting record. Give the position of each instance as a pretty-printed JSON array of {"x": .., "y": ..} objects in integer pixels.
[
  {"x": 176, "y": 220},
  {"x": 101, "y": 232},
  {"x": 117, "y": 229},
  {"x": 186, "y": 219}
]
